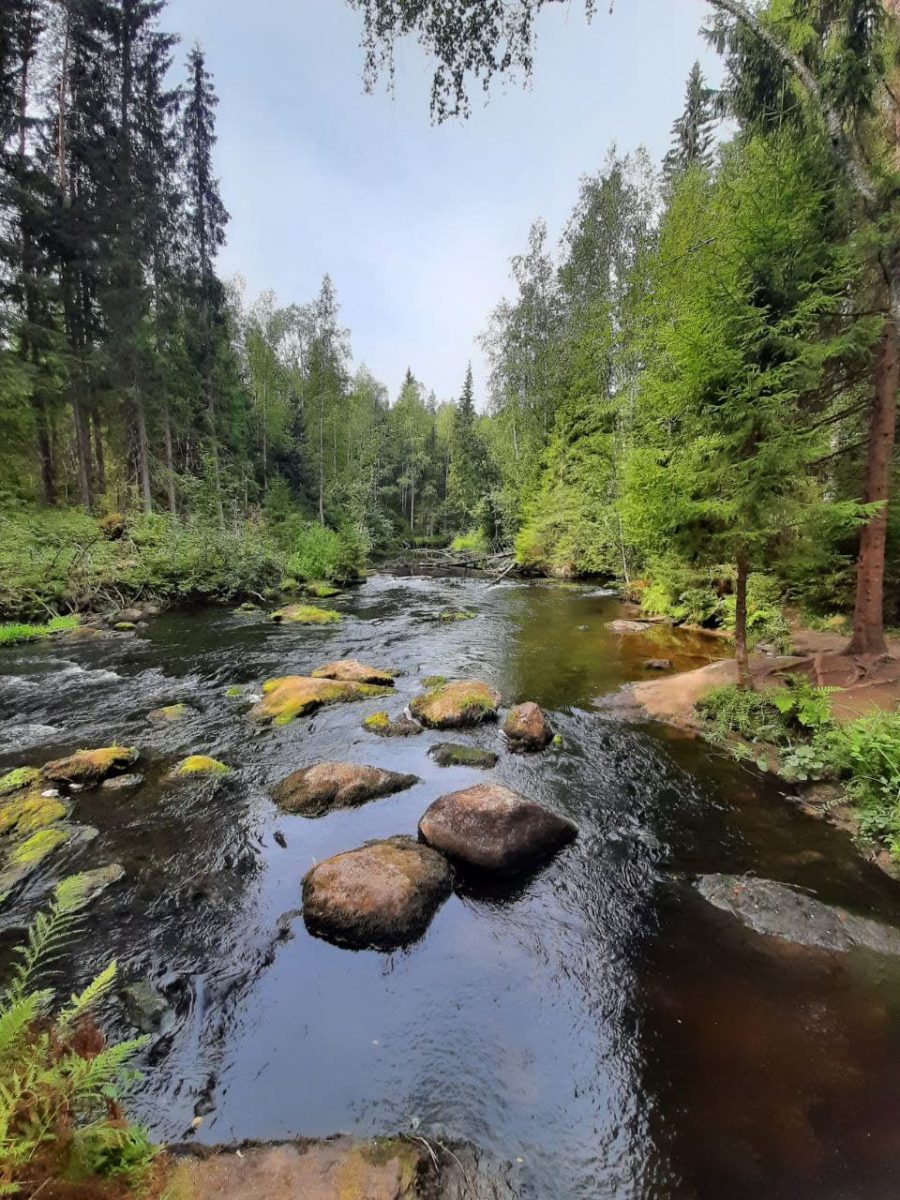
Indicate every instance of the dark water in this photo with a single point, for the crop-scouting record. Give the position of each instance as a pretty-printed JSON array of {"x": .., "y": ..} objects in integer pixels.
[{"x": 600, "y": 1028}]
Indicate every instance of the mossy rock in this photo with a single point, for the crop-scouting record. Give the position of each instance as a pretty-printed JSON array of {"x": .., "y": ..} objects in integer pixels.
[
  {"x": 82, "y": 889},
  {"x": 198, "y": 765},
  {"x": 88, "y": 768},
  {"x": 292, "y": 696},
  {"x": 124, "y": 626},
  {"x": 381, "y": 723},
  {"x": 247, "y": 607},
  {"x": 321, "y": 590},
  {"x": 234, "y": 692},
  {"x": 453, "y": 705},
  {"x": 27, "y": 812},
  {"x": 306, "y": 614},
  {"x": 23, "y": 858},
  {"x": 453, "y": 754},
  {"x": 19, "y": 778},
  {"x": 454, "y": 614},
  {"x": 170, "y": 713},
  {"x": 348, "y": 670}
]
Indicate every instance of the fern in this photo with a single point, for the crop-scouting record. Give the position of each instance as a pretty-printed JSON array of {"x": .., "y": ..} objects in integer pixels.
[{"x": 87, "y": 1000}]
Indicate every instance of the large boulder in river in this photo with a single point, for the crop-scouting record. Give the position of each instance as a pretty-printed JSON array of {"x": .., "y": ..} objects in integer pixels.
[
  {"x": 382, "y": 895},
  {"x": 787, "y": 912},
  {"x": 88, "y": 768},
  {"x": 527, "y": 728},
  {"x": 314, "y": 791},
  {"x": 306, "y": 614},
  {"x": 293, "y": 696},
  {"x": 494, "y": 828},
  {"x": 350, "y": 671},
  {"x": 452, "y": 705}
]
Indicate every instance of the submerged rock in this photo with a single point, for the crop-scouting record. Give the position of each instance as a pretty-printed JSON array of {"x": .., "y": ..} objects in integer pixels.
[
  {"x": 147, "y": 1008},
  {"x": 122, "y": 783},
  {"x": 339, "y": 1168},
  {"x": 527, "y": 728},
  {"x": 384, "y": 726},
  {"x": 628, "y": 626},
  {"x": 299, "y": 695},
  {"x": 198, "y": 765},
  {"x": 786, "y": 912},
  {"x": 82, "y": 889},
  {"x": 24, "y": 857},
  {"x": 658, "y": 664},
  {"x": 306, "y": 614},
  {"x": 454, "y": 754},
  {"x": 494, "y": 828},
  {"x": 452, "y": 705},
  {"x": 169, "y": 713},
  {"x": 348, "y": 670},
  {"x": 88, "y": 768},
  {"x": 314, "y": 791},
  {"x": 456, "y": 614},
  {"x": 381, "y": 896}
]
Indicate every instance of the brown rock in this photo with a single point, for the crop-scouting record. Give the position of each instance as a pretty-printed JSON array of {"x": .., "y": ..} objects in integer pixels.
[
  {"x": 314, "y": 791},
  {"x": 382, "y": 895},
  {"x": 527, "y": 728},
  {"x": 299, "y": 695},
  {"x": 493, "y": 827},
  {"x": 88, "y": 768},
  {"x": 335, "y": 1169},
  {"x": 452, "y": 705},
  {"x": 350, "y": 671}
]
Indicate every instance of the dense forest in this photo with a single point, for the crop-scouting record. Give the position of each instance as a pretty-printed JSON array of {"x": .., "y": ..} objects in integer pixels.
[{"x": 692, "y": 392}]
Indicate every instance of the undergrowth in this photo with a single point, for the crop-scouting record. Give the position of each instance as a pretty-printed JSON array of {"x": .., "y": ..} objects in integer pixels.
[
  {"x": 12, "y": 634},
  {"x": 60, "y": 1082}
]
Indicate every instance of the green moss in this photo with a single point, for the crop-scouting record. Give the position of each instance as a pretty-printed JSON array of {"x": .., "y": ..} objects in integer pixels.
[
  {"x": 321, "y": 590},
  {"x": 306, "y": 614},
  {"x": 27, "y": 813},
  {"x": 453, "y": 614},
  {"x": 431, "y": 682},
  {"x": 13, "y": 634},
  {"x": 124, "y": 626},
  {"x": 36, "y": 848},
  {"x": 79, "y": 890},
  {"x": 170, "y": 712},
  {"x": 378, "y": 722},
  {"x": 18, "y": 778},
  {"x": 451, "y": 754},
  {"x": 557, "y": 741},
  {"x": 234, "y": 691},
  {"x": 90, "y": 767},
  {"x": 199, "y": 764}
]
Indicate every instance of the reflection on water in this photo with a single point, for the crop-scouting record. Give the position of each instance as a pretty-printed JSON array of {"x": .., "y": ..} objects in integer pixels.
[{"x": 599, "y": 1026}]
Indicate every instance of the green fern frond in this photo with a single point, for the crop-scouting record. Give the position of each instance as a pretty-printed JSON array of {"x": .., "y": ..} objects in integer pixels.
[{"x": 81, "y": 1004}]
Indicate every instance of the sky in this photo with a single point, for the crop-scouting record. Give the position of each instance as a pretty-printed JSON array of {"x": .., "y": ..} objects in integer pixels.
[{"x": 416, "y": 223}]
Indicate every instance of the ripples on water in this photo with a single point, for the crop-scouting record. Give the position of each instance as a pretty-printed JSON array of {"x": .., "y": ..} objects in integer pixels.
[{"x": 597, "y": 1027}]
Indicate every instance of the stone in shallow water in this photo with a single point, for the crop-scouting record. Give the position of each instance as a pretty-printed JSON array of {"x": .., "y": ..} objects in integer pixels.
[
  {"x": 453, "y": 705},
  {"x": 293, "y": 696},
  {"x": 622, "y": 626},
  {"x": 306, "y": 614},
  {"x": 454, "y": 754},
  {"x": 788, "y": 913},
  {"x": 198, "y": 765},
  {"x": 122, "y": 783},
  {"x": 349, "y": 670},
  {"x": 314, "y": 791},
  {"x": 527, "y": 728},
  {"x": 82, "y": 889},
  {"x": 658, "y": 664},
  {"x": 381, "y": 723},
  {"x": 170, "y": 713},
  {"x": 494, "y": 828},
  {"x": 88, "y": 768},
  {"x": 381, "y": 896},
  {"x": 321, "y": 590}
]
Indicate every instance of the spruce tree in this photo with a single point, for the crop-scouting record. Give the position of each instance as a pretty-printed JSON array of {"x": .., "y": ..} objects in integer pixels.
[{"x": 692, "y": 133}]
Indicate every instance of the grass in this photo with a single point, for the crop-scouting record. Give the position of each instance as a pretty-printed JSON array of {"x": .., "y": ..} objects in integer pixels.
[{"x": 13, "y": 634}]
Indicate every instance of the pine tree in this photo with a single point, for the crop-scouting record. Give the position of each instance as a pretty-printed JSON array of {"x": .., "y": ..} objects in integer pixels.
[{"x": 692, "y": 133}]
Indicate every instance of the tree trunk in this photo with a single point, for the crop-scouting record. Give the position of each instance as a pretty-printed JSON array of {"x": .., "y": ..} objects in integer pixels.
[
  {"x": 321, "y": 460},
  {"x": 45, "y": 451},
  {"x": 740, "y": 621},
  {"x": 170, "y": 460},
  {"x": 83, "y": 442},
  {"x": 99, "y": 457},
  {"x": 868, "y": 614},
  {"x": 143, "y": 453}
]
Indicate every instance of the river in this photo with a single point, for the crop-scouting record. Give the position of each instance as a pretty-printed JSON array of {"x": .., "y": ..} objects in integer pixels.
[{"x": 598, "y": 1030}]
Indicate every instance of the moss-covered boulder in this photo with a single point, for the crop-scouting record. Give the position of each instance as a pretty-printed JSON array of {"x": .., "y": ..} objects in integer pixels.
[
  {"x": 493, "y": 828},
  {"x": 382, "y": 724},
  {"x": 317, "y": 790},
  {"x": 26, "y": 812},
  {"x": 449, "y": 615},
  {"x": 88, "y": 768},
  {"x": 526, "y": 727},
  {"x": 125, "y": 626},
  {"x": 454, "y": 754},
  {"x": 382, "y": 895},
  {"x": 169, "y": 714},
  {"x": 306, "y": 614},
  {"x": 23, "y": 857},
  {"x": 348, "y": 670},
  {"x": 321, "y": 590},
  {"x": 198, "y": 766},
  {"x": 453, "y": 705},
  {"x": 83, "y": 889},
  {"x": 19, "y": 778},
  {"x": 292, "y": 696}
]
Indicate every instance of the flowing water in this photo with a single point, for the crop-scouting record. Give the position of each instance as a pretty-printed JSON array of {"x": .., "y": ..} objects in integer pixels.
[{"x": 598, "y": 1030}]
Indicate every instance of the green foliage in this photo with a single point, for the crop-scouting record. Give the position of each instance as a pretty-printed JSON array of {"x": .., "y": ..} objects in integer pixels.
[
  {"x": 59, "y": 1083},
  {"x": 322, "y": 553},
  {"x": 776, "y": 715},
  {"x": 867, "y": 753},
  {"x": 474, "y": 541},
  {"x": 11, "y": 634}
]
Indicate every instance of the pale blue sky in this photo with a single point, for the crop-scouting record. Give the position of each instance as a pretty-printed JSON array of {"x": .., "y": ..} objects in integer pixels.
[{"x": 416, "y": 223}]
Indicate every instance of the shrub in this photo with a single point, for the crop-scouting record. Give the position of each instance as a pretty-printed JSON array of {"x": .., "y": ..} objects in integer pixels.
[
  {"x": 322, "y": 553},
  {"x": 13, "y": 634},
  {"x": 59, "y": 1081},
  {"x": 867, "y": 753},
  {"x": 473, "y": 541}
]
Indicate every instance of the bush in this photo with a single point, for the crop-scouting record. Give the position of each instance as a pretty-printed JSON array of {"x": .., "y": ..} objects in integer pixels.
[
  {"x": 776, "y": 715},
  {"x": 323, "y": 553},
  {"x": 13, "y": 634},
  {"x": 60, "y": 1082},
  {"x": 867, "y": 753},
  {"x": 474, "y": 541}
]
